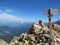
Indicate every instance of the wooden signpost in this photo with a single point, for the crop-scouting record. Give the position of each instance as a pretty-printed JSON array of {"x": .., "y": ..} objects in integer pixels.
[{"x": 50, "y": 13}]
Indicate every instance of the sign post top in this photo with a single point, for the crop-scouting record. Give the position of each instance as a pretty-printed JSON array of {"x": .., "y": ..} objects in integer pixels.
[{"x": 51, "y": 11}]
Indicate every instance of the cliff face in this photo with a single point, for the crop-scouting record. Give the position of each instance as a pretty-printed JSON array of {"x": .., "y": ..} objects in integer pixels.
[{"x": 39, "y": 34}]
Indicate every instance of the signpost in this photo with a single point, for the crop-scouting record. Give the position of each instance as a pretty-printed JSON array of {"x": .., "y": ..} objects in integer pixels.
[{"x": 50, "y": 13}]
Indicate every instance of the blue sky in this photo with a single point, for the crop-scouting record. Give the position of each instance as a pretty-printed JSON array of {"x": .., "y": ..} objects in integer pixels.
[{"x": 28, "y": 10}]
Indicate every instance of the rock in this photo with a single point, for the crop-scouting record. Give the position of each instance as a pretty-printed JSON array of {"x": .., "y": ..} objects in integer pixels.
[
  {"x": 2, "y": 42},
  {"x": 56, "y": 27},
  {"x": 34, "y": 28},
  {"x": 37, "y": 28}
]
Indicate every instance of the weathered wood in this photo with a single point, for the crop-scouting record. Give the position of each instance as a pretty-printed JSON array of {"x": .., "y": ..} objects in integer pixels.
[{"x": 50, "y": 13}]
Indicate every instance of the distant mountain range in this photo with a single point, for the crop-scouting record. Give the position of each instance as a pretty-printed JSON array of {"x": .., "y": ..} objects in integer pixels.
[
  {"x": 7, "y": 32},
  {"x": 57, "y": 22},
  {"x": 11, "y": 24}
]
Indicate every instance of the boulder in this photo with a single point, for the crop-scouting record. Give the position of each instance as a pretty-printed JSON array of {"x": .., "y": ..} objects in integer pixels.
[
  {"x": 37, "y": 28},
  {"x": 56, "y": 27},
  {"x": 2, "y": 42}
]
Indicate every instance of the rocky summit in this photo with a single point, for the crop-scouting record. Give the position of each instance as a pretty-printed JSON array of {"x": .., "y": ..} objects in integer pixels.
[{"x": 38, "y": 34}]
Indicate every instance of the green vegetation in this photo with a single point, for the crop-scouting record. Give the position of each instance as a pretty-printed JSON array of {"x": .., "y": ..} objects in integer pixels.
[{"x": 16, "y": 44}]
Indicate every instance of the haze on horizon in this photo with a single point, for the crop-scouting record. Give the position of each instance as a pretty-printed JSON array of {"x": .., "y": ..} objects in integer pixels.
[{"x": 27, "y": 10}]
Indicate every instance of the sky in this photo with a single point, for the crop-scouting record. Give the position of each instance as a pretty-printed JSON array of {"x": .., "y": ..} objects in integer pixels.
[{"x": 27, "y": 10}]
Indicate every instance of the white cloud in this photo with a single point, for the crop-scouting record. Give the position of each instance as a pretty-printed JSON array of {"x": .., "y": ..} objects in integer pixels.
[
  {"x": 7, "y": 10},
  {"x": 6, "y": 18},
  {"x": 4, "y": 9}
]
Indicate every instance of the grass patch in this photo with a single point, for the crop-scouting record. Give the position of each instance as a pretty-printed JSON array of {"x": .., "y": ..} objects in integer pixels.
[{"x": 16, "y": 44}]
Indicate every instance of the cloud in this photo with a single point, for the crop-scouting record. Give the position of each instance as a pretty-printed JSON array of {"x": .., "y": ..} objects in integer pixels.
[
  {"x": 6, "y": 18},
  {"x": 7, "y": 10}
]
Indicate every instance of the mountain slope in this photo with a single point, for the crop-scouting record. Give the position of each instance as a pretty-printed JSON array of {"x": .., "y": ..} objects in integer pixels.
[{"x": 7, "y": 33}]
